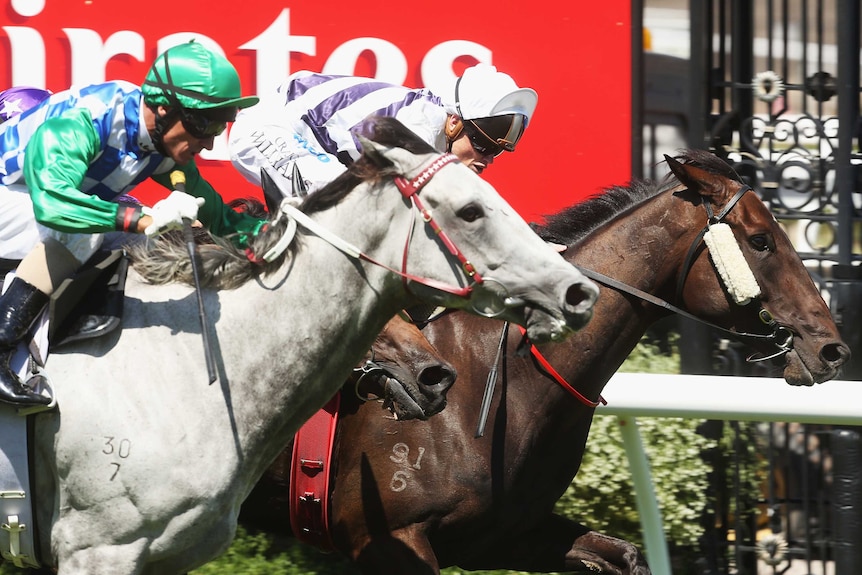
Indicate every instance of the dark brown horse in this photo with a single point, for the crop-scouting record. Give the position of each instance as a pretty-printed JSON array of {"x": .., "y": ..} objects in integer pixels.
[{"x": 415, "y": 496}]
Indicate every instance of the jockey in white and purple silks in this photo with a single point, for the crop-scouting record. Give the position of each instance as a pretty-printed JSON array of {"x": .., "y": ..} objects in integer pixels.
[{"x": 308, "y": 122}]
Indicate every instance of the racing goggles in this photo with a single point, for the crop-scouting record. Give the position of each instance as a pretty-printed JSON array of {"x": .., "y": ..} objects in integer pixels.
[
  {"x": 201, "y": 126},
  {"x": 494, "y": 135}
]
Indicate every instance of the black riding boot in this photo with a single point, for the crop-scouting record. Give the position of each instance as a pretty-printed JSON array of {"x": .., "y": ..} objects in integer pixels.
[{"x": 19, "y": 307}]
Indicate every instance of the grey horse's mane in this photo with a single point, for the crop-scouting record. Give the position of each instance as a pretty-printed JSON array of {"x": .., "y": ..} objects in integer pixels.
[
  {"x": 223, "y": 265},
  {"x": 574, "y": 223}
]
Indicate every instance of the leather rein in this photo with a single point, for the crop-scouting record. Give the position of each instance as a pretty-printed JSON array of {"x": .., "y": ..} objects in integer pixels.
[{"x": 781, "y": 336}]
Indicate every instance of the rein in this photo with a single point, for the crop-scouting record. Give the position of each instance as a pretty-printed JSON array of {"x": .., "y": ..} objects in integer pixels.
[
  {"x": 781, "y": 336},
  {"x": 410, "y": 190},
  {"x": 545, "y": 366}
]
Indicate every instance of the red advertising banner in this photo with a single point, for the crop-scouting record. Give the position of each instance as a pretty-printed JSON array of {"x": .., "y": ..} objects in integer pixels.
[{"x": 576, "y": 57}]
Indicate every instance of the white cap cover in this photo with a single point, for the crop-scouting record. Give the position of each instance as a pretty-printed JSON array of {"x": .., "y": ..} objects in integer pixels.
[{"x": 482, "y": 92}]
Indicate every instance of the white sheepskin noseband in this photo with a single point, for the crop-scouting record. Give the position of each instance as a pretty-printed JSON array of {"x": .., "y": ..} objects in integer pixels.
[{"x": 730, "y": 264}]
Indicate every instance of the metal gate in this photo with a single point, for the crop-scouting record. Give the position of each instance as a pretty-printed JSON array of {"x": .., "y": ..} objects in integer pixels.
[
  {"x": 775, "y": 91},
  {"x": 773, "y": 87}
]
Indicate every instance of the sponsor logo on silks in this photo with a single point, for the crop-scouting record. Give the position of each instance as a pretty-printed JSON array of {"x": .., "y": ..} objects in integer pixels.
[
  {"x": 275, "y": 153},
  {"x": 306, "y": 145}
]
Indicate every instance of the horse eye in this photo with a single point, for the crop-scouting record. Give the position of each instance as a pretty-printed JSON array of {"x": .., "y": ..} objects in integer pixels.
[
  {"x": 760, "y": 242},
  {"x": 470, "y": 213}
]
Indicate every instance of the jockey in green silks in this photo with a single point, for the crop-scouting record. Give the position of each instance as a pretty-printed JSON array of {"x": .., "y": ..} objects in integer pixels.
[{"x": 67, "y": 161}]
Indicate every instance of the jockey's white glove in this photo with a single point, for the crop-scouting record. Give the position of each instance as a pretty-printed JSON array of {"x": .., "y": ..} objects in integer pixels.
[{"x": 169, "y": 213}]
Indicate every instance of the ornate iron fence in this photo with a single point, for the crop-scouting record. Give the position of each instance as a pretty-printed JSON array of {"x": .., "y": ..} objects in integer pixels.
[{"x": 774, "y": 88}]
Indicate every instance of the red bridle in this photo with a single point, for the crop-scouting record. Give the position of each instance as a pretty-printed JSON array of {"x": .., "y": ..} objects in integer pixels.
[{"x": 410, "y": 190}]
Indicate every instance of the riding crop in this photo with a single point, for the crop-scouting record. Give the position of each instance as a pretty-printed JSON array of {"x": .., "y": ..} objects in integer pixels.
[{"x": 178, "y": 181}]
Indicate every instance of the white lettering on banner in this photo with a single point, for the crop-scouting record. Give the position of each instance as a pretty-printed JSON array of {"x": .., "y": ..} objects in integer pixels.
[
  {"x": 172, "y": 40},
  {"x": 390, "y": 60},
  {"x": 28, "y": 56},
  {"x": 273, "y": 48},
  {"x": 89, "y": 56},
  {"x": 28, "y": 7},
  {"x": 436, "y": 67}
]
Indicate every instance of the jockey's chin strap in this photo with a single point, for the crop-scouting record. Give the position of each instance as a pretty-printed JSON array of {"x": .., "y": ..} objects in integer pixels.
[
  {"x": 409, "y": 189},
  {"x": 781, "y": 336}
]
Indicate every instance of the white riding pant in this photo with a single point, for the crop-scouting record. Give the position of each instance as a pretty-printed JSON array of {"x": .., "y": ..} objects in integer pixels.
[{"x": 20, "y": 232}]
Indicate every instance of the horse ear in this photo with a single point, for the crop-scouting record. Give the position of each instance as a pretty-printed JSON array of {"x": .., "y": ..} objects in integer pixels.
[
  {"x": 680, "y": 170},
  {"x": 405, "y": 162},
  {"x": 372, "y": 150},
  {"x": 695, "y": 179}
]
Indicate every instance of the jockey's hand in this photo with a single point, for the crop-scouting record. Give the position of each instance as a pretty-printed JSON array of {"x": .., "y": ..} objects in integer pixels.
[{"x": 169, "y": 213}]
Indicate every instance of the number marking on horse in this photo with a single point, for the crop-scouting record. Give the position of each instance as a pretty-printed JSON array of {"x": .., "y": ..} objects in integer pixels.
[
  {"x": 401, "y": 456},
  {"x": 118, "y": 449}
]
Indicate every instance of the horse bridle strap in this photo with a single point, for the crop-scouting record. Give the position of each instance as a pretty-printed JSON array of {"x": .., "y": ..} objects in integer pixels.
[
  {"x": 409, "y": 189},
  {"x": 711, "y": 219}
]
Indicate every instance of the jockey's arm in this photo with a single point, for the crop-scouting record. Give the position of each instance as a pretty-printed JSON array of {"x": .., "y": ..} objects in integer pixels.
[
  {"x": 215, "y": 215},
  {"x": 55, "y": 164}
]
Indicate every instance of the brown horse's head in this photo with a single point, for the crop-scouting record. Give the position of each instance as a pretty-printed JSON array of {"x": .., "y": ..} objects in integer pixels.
[
  {"x": 784, "y": 302},
  {"x": 406, "y": 371}
]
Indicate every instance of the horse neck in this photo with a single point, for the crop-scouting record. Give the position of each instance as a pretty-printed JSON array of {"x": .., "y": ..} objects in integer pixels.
[
  {"x": 312, "y": 329},
  {"x": 644, "y": 248}
]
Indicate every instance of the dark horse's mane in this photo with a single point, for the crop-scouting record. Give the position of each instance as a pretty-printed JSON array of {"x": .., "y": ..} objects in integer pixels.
[
  {"x": 223, "y": 265},
  {"x": 574, "y": 223}
]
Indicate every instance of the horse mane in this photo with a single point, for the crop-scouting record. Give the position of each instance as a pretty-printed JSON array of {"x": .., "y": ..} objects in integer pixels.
[
  {"x": 574, "y": 223},
  {"x": 223, "y": 265}
]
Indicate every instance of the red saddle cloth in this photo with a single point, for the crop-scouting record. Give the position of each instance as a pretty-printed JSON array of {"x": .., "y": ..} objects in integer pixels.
[{"x": 310, "y": 475}]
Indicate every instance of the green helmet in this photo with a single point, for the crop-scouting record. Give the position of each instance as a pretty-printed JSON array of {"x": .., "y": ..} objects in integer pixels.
[{"x": 194, "y": 77}]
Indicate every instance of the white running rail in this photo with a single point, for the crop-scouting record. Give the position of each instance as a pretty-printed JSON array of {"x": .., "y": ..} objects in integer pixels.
[{"x": 631, "y": 395}]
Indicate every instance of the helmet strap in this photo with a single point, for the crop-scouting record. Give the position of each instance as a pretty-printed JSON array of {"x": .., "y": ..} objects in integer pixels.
[
  {"x": 452, "y": 131},
  {"x": 162, "y": 125}
]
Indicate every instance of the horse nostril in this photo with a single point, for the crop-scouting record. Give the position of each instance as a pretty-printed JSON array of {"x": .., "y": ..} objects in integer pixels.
[
  {"x": 437, "y": 376},
  {"x": 580, "y": 293},
  {"x": 835, "y": 353}
]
